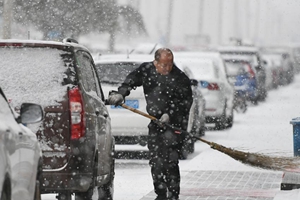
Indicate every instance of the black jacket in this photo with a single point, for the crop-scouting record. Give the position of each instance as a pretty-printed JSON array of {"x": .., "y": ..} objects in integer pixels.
[{"x": 170, "y": 93}]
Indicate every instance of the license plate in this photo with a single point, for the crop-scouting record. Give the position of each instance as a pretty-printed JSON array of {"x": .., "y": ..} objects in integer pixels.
[{"x": 130, "y": 103}]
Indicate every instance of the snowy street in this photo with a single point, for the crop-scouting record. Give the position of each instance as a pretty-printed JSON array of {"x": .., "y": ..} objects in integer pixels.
[{"x": 264, "y": 128}]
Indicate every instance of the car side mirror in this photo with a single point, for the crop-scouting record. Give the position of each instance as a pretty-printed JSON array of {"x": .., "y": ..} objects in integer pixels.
[{"x": 31, "y": 113}]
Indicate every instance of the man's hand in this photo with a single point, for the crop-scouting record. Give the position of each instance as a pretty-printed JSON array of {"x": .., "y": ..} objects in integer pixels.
[
  {"x": 114, "y": 98},
  {"x": 164, "y": 118}
]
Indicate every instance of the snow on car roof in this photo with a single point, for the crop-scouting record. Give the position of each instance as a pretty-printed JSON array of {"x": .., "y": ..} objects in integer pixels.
[
  {"x": 237, "y": 49},
  {"x": 18, "y": 42}
]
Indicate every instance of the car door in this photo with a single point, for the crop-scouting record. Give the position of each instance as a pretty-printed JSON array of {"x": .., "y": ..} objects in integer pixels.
[
  {"x": 95, "y": 110},
  {"x": 29, "y": 156},
  {"x": 10, "y": 144}
]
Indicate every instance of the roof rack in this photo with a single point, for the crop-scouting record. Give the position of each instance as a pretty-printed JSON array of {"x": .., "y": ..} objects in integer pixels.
[{"x": 71, "y": 40}]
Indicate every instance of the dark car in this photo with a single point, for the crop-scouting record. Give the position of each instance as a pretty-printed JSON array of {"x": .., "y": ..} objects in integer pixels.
[
  {"x": 75, "y": 135},
  {"x": 20, "y": 153}
]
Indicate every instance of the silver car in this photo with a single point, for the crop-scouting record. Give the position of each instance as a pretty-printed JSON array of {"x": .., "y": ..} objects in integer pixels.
[
  {"x": 20, "y": 153},
  {"x": 209, "y": 68}
]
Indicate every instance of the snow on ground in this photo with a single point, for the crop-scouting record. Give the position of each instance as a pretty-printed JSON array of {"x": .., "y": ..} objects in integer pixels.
[{"x": 264, "y": 128}]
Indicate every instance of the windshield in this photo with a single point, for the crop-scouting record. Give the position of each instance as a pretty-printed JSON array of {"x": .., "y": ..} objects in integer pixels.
[
  {"x": 114, "y": 73},
  {"x": 202, "y": 71},
  {"x": 235, "y": 68}
]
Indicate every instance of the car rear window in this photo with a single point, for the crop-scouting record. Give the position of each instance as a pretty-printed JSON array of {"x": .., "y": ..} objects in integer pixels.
[
  {"x": 202, "y": 71},
  {"x": 252, "y": 58},
  {"x": 114, "y": 73},
  {"x": 235, "y": 68},
  {"x": 33, "y": 75}
]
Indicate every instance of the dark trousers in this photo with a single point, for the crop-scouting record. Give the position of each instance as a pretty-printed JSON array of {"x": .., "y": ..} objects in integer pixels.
[{"x": 164, "y": 146}]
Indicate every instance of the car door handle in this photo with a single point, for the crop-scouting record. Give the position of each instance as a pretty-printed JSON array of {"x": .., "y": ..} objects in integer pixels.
[{"x": 20, "y": 134}]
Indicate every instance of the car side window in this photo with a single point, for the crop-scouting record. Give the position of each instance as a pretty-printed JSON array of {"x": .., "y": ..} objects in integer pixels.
[{"x": 86, "y": 72}]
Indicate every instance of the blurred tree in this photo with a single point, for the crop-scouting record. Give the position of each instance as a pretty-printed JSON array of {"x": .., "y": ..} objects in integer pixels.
[
  {"x": 58, "y": 19},
  {"x": 62, "y": 18},
  {"x": 132, "y": 20}
]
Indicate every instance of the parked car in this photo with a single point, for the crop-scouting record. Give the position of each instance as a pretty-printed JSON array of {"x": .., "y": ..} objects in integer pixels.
[
  {"x": 272, "y": 64},
  {"x": 20, "y": 152},
  {"x": 242, "y": 67},
  {"x": 287, "y": 63},
  {"x": 129, "y": 127},
  {"x": 251, "y": 54},
  {"x": 75, "y": 135},
  {"x": 214, "y": 87},
  {"x": 212, "y": 117}
]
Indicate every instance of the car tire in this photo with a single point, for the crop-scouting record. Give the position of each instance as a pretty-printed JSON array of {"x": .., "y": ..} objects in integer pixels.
[
  {"x": 85, "y": 195},
  {"x": 221, "y": 122},
  {"x": 106, "y": 191}
]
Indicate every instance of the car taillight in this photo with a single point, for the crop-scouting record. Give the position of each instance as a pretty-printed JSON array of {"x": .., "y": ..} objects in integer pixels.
[
  {"x": 76, "y": 113},
  {"x": 213, "y": 86},
  {"x": 251, "y": 72}
]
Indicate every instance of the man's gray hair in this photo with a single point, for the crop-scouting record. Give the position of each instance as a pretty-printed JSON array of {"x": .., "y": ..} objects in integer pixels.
[{"x": 159, "y": 51}]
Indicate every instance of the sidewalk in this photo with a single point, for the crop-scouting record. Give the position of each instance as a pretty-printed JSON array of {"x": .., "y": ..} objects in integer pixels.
[{"x": 227, "y": 185}]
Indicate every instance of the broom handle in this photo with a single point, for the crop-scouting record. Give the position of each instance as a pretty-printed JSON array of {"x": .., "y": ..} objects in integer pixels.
[{"x": 168, "y": 125}]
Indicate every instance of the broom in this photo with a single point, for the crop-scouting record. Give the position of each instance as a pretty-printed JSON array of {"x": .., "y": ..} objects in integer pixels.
[{"x": 253, "y": 159}]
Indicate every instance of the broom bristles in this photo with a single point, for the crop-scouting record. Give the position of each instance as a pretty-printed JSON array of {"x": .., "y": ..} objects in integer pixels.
[
  {"x": 260, "y": 160},
  {"x": 253, "y": 159}
]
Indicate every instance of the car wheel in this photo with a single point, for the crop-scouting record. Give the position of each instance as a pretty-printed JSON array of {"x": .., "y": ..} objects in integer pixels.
[
  {"x": 106, "y": 191},
  {"x": 85, "y": 195},
  {"x": 221, "y": 122}
]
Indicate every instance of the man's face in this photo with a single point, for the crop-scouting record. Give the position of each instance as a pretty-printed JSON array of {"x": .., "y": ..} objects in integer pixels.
[{"x": 165, "y": 63}]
